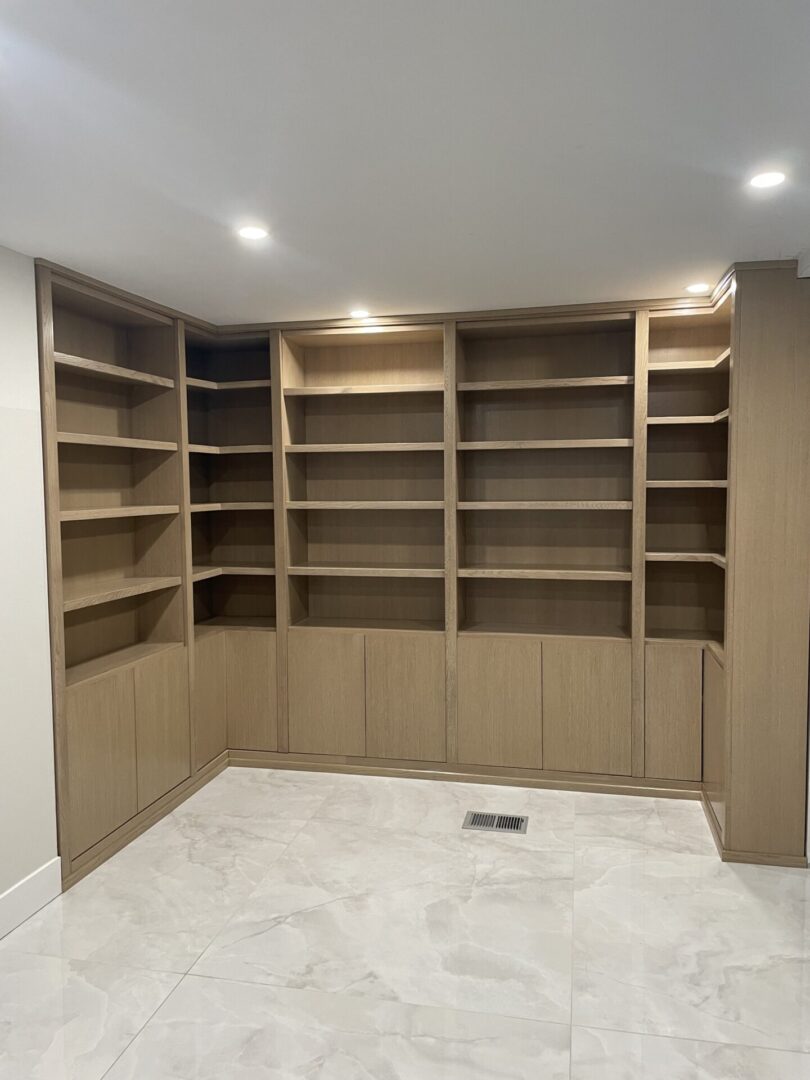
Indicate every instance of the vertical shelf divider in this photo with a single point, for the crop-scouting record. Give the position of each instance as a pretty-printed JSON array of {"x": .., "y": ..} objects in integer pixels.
[
  {"x": 184, "y": 492},
  {"x": 451, "y": 593},
  {"x": 280, "y": 499},
  {"x": 638, "y": 611}
]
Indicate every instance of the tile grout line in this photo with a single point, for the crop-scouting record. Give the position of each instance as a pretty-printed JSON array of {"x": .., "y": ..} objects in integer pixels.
[{"x": 143, "y": 1027}]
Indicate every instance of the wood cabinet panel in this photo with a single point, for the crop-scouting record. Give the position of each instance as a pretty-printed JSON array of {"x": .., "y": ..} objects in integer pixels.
[
  {"x": 405, "y": 696},
  {"x": 500, "y": 705},
  {"x": 100, "y": 724},
  {"x": 209, "y": 699},
  {"x": 587, "y": 707},
  {"x": 326, "y": 689},
  {"x": 162, "y": 724},
  {"x": 252, "y": 689},
  {"x": 673, "y": 700},
  {"x": 715, "y": 740}
]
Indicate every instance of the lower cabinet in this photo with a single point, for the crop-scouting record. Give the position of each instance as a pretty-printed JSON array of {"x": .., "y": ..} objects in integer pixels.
[
  {"x": 209, "y": 698},
  {"x": 162, "y": 722},
  {"x": 326, "y": 691},
  {"x": 251, "y": 682},
  {"x": 587, "y": 706},
  {"x": 673, "y": 707},
  {"x": 102, "y": 776},
  {"x": 714, "y": 737},
  {"x": 405, "y": 696},
  {"x": 500, "y": 704}
]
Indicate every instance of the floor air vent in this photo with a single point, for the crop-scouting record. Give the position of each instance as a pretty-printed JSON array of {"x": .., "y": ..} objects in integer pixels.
[{"x": 509, "y": 823}]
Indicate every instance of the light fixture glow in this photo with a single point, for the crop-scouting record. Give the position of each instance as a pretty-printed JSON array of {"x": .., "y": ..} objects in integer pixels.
[
  {"x": 698, "y": 287},
  {"x": 253, "y": 232},
  {"x": 358, "y": 313},
  {"x": 767, "y": 179}
]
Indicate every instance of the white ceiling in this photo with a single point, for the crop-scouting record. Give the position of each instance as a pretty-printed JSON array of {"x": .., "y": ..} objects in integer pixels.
[{"x": 407, "y": 155}]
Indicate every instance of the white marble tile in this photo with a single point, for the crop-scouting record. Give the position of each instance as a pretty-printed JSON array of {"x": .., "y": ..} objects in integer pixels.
[
  {"x": 689, "y": 947},
  {"x": 68, "y": 1020},
  {"x": 213, "y": 1030},
  {"x": 622, "y": 821},
  {"x": 261, "y": 794},
  {"x": 429, "y": 806},
  {"x": 614, "y": 1055},
  {"x": 161, "y": 901},
  {"x": 455, "y": 921}
]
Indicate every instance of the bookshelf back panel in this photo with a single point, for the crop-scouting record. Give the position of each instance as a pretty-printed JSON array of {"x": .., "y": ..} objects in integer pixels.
[
  {"x": 236, "y": 598},
  {"x": 680, "y": 339},
  {"x": 684, "y": 520},
  {"x": 97, "y": 551},
  {"x": 96, "y": 631},
  {"x": 698, "y": 393},
  {"x": 229, "y": 418},
  {"x": 368, "y": 601},
  {"x": 687, "y": 452},
  {"x": 93, "y": 406},
  {"x": 147, "y": 349},
  {"x": 92, "y": 477},
  {"x": 529, "y": 538},
  {"x": 366, "y": 477},
  {"x": 685, "y": 599},
  {"x": 233, "y": 537},
  {"x": 366, "y": 418},
  {"x": 412, "y": 538},
  {"x": 375, "y": 364},
  {"x": 228, "y": 363},
  {"x": 231, "y": 478},
  {"x": 493, "y": 475},
  {"x": 548, "y": 356},
  {"x": 554, "y": 607},
  {"x": 547, "y": 414}
]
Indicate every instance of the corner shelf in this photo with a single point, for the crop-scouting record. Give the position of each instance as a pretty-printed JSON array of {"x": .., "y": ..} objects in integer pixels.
[
  {"x": 713, "y": 557},
  {"x": 110, "y": 513},
  {"x": 106, "y": 592},
  {"x": 234, "y": 622},
  {"x": 211, "y": 507},
  {"x": 81, "y": 439},
  {"x": 716, "y": 418},
  {"x": 202, "y": 572},
  {"x": 720, "y": 363},
  {"x": 248, "y": 448},
  {"x": 237, "y": 384},
  {"x": 109, "y": 371}
]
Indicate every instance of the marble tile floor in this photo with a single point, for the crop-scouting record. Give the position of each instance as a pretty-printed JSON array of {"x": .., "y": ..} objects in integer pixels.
[{"x": 309, "y": 925}]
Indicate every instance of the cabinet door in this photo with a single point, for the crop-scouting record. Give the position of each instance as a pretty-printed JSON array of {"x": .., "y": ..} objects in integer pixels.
[
  {"x": 250, "y": 660},
  {"x": 714, "y": 737},
  {"x": 209, "y": 708},
  {"x": 100, "y": 724},
  {"x": 405, "y": 696},
  {"x": 162, "y": 724},
  {"x": 673, "y": 700},
  {"x": 586, "y": 706},
  {"x": 327, "y": 694},
  {"x": 500, "y": 707}
]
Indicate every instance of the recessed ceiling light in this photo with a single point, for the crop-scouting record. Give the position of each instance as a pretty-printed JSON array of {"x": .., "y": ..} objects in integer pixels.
[
  {"x": 767, "y": 179},
  {"x": 358, "y": 313},
  {"x": 698, "y": 287},
  {"x": 253, "y": 232}
]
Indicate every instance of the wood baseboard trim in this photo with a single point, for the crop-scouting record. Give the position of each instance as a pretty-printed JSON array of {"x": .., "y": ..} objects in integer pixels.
[
  {"x": 713, "y": 823},
  {"x": 610, "y": 785},
  {"x": 758, "y": 858},
  {"x": 106, "y": 848}
]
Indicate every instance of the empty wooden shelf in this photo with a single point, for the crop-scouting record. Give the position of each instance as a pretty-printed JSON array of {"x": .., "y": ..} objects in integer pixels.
[
  {"x": 105, "y": 591},
  {"x": 371, "y": 388},
  {"x": 355, "y": 570},
  {"x": 548, "y": 384},
  {"x": 360, "y": 448},
  {"x": 113, "y": 661},
  {"x": 109, "y": 512},
  {"x": 378, "y": 504},
  {"x": 109, "y": 371},
  {"x": 83, "y": 439},
  {"x": 558, "y": 504},
  {"x": 241, "y": 448}
]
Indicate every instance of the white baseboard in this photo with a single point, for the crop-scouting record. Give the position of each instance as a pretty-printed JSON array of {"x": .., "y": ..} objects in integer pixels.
[{"x": 35, "y": 891}]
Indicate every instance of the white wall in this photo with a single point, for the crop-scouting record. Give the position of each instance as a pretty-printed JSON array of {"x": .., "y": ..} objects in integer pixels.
[{"x": 29, "y": 867}]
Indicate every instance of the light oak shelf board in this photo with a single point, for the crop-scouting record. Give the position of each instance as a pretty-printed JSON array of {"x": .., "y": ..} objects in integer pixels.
[
  {"x": 80, "y": 439},
  {"x": 235, "y": 622},
  {"x": 687, "y": 556},
  {"x": 108, "y": 513},
  {"x": 118, "y": 589},
  {"x": 110, "y": 371},
  {"x": 361, "y": 448},
  {"x": 326, "y": 623},
  {"x": 204, "y": 508},
  {"x": 548, "y": 573},
  {"x": 248, "y": 448},
  {"x": 691, "y": 637},
  {"x": 202, "y": 573},
  {"x": 544, "y": 444},
  {"x": 716, "y": 418},
  {"x": 376, "y": 388},
  {"x": 371, "y": 504},
  {"x": 547, "y": 384},
  {"x": 720, "y": 363},
  {"x": 239, "y": 384},
  {"x": 685, "y": 484},
  {"x": 519, "y": 630},
  {"x": 367, "y": 571},
  {"x": 550, "y": 504},
  {"x": 113, "y": 661}
]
